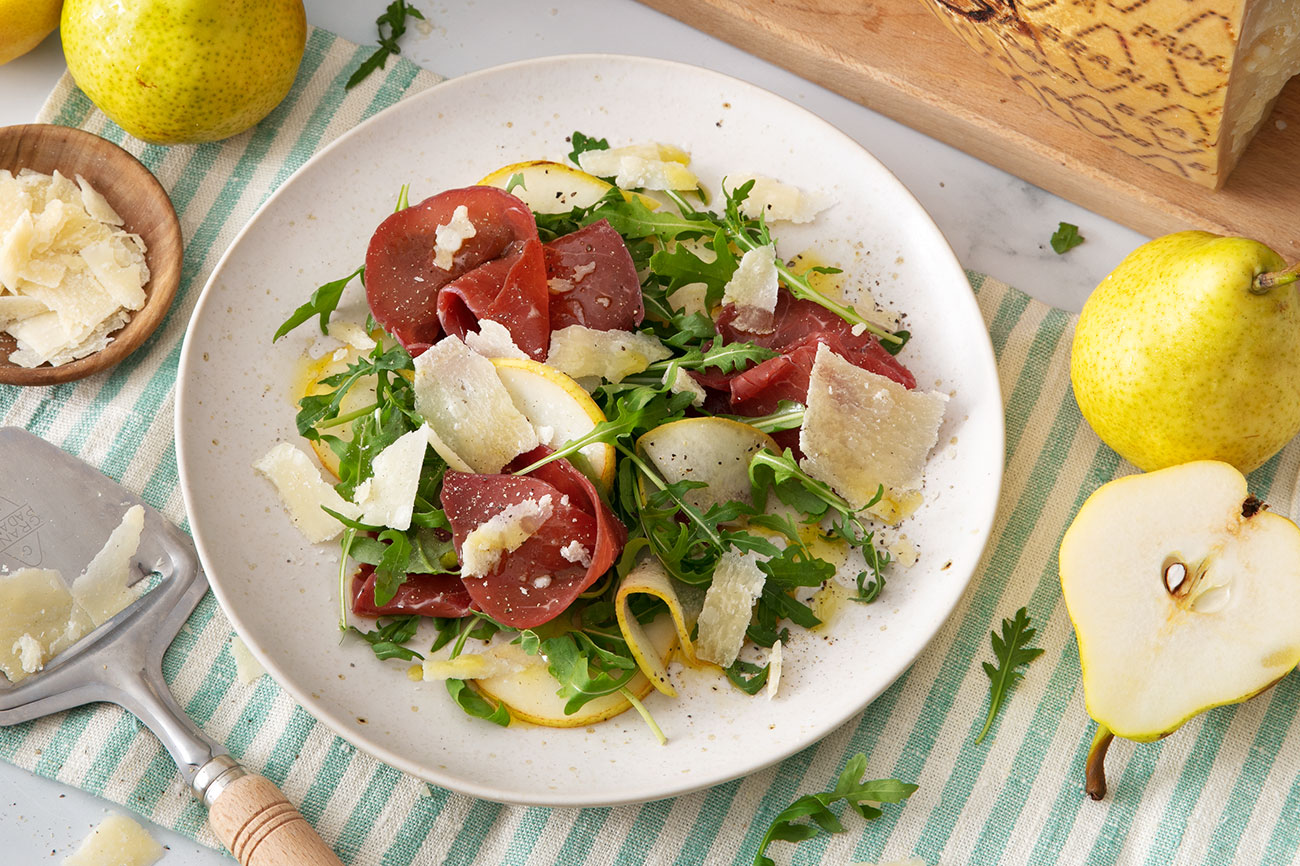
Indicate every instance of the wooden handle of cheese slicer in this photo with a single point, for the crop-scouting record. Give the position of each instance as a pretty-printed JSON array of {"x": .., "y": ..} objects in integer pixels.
[{"x": 262, "y": 828}]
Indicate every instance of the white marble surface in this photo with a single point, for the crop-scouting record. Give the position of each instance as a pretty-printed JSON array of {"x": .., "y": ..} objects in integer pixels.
[{"x": 995, "y": 223}]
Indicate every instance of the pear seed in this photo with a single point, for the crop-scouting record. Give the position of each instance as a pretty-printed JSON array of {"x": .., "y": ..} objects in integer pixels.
[{"x": 1175, "y": 574}]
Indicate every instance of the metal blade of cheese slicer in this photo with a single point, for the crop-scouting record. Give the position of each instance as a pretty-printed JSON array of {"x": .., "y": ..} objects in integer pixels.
[{"x": 56, "y": 512}]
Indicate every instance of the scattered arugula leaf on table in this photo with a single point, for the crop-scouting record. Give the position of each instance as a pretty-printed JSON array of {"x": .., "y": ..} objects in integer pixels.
[
  {"x": 1065, "y": 238},
  {"x": 1012, "y": 650},
  {"x": 394, "y": 20},
  {"x": 861, "y": 796}
]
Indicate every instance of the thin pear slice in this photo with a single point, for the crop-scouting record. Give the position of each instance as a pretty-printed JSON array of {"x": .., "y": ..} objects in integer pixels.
[
  {"x": 529, "y": 691},
  {"x": 715, "y": 451},
  {"x": 1184, "y": 594},
  {"x": 553, "y": 187},
  {"x": 560, "y": 410},
  {"x": 359, "y": 396}
]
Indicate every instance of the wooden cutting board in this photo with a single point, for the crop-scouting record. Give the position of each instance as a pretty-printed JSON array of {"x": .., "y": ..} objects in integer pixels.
[{"x": 896, "y": 57}]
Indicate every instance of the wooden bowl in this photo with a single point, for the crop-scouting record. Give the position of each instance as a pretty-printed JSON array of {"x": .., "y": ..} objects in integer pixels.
[{"x": 138, "y": 198}]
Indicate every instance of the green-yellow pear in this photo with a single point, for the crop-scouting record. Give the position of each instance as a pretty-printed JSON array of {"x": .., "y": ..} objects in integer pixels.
[
  {"x": 1190, "y": 350},
  {"x": 174, "y": 71},
  {"x": 1185, "y": 595}
]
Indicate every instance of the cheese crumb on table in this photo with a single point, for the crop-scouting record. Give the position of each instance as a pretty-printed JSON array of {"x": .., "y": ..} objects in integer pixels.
[
  {"x": 103, "y": 589},
  {"x": 117, "y": 841},
  {"x": 65, "y": 256},
  {"x": 247, "y": 668}
]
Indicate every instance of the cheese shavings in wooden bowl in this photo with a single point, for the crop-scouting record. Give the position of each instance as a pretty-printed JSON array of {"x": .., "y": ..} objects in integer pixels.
[{"x": 90, "y": 254}]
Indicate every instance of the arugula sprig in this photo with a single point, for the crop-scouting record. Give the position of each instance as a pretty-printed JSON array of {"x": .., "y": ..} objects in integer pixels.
[
  {"x": 394, "y": 22},
  {"x": 1012, "y": 651},
  {"x": 388, "y": 640},
  {"x": 860, "y": 796},
  {"x": 323, "y": 302}
]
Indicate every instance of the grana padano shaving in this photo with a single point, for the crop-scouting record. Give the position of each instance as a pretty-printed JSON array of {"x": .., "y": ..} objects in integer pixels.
[
  {"x": 728, "y": 606},
  {"x": 580, "y": 352},
  {"x": 304, "y": 492}
]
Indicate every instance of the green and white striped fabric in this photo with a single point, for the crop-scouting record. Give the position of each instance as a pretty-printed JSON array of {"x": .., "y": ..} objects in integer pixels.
[{"x": 1223, "y": 789}]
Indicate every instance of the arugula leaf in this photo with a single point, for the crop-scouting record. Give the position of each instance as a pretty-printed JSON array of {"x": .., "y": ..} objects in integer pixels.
[
  {"x": 394, "y": 18},
  {"x": 387, "y": 640},
  {"x": 1012, "y": 651},
  {"x": 747, "y": 676},
  {"x": 681, "y": 266},
  {"x": 390, "y": 573},
  {"x": 583, "y": 143},
  {"x": 476, "y": 705},
  {"x": 859, "y": 795},
  {"x": 516, "y": 180},
  {"x": 787, "y": 416},
  {"x": 573, "y": 657},
  {"x": 323, "y": 302},
  {"x": 1065, "y": 238}
]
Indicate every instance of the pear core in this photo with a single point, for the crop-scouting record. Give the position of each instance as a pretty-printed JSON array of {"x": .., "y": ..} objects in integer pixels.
[{"x": 1184, "y": 594}]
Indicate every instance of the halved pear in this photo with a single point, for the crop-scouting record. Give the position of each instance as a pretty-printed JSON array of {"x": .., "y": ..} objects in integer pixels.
[
  {"x": 560, "y": 410},
  {"x": 716, "y": 451},
  {"x": 1185, "y": 595},
  {"x": 529, "y": 691}
]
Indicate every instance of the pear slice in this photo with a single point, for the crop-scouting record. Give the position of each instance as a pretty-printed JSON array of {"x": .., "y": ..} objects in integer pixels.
[{"x": 1184, "y": 594}]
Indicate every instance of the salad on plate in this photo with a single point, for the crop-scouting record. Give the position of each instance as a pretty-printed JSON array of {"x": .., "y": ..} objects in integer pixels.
[{"x": 596, "y": 424}]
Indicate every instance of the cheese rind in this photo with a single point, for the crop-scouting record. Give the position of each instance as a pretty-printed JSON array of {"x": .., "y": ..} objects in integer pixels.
[
  {"x": 303, "y": 492},
  {"x": 862, "y": 430},
  {"x": 459, "y": 393},
  {"x": 1182, "y": 86}
]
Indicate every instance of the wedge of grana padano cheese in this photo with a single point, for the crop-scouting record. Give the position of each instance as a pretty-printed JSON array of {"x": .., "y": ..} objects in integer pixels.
[
  {"x": 470, "y": 412},
  {"x": 63, "y": 250},
  {"x": 581, "y": 352},
  {"x": 1182, "y": 85},
  {"x": 862, "y": 430},
  {"x": 303, "y": 492},
  {"x": 728, "y": 607},
  {"x": 103, "y": 589}
]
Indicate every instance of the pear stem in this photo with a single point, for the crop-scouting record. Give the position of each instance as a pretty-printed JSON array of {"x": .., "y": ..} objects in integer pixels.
[
  {"x": 1095, "y": 769},
  {"x": 1263, "y": 282}
]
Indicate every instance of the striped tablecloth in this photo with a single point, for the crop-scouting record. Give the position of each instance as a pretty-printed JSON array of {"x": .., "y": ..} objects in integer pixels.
[{"x": 1224, "y": 789}]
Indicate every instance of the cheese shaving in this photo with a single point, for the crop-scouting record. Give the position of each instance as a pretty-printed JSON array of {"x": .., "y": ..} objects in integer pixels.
[
  {"x": 387, "y": 497},
  {"x": 728, "y": 607},
  {"x": 449, "y": 238},
  {"x": 753, "y": 289},
  {"x": 304, "y": 493},
  {"x": 459, "y": 393},
  {"x": 773, "y": 200},
  {"x": 493, "y": 340},
  {"x": 641, "y": 166},
  {"x": 862, "y": 430},
  {"x": 38, "y": 620},
  {"x": 502, "y": 533},
  {"x": 581, "y": 352}
]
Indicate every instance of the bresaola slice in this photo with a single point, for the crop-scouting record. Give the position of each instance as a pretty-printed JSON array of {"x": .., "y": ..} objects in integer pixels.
[
  {"x": 424, "y": 594},
  {"x": 403, "y": 283},
  {"x": 593, "y": 281},
  {"x": 541, "y": 577}
]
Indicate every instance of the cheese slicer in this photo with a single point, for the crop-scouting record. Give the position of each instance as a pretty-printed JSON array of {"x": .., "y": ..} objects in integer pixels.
[{"x": 56, "y": 513}]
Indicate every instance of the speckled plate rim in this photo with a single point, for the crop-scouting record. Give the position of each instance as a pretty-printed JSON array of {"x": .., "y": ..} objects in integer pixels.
[{"x": 714, "y": 737}]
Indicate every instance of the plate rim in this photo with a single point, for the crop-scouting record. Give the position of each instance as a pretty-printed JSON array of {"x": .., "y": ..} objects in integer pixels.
[{"x": 561, "y": 799}]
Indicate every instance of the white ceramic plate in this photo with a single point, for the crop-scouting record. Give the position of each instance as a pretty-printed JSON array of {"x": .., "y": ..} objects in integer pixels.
[{"x": 235, "y": 402}]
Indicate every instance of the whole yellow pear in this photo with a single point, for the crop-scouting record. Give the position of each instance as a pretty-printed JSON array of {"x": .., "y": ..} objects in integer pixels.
[
  {"x": 179, "y": 71},
  {"x": 24, "y": 24},
  {"x": 1181, "y": 354}
]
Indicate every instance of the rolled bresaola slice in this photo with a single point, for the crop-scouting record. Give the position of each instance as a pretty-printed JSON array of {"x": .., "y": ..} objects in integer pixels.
[{"x": 593, "y": 281}]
